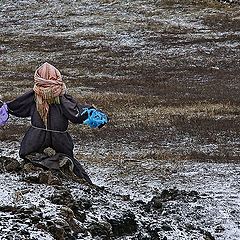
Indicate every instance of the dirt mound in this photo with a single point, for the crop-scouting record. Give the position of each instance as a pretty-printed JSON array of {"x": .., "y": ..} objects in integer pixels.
[{"x": 67, "y": 209}]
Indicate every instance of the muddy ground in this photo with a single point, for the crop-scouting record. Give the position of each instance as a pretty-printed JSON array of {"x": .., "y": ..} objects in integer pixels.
[{"x": 167, "y": 73}]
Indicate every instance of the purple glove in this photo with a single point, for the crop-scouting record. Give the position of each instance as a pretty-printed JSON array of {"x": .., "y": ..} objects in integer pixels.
[{"x": 3, "y": 114}]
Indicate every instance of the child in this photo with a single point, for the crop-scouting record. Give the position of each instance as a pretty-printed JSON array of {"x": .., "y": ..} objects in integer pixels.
[{"x": 50, "y": 109}]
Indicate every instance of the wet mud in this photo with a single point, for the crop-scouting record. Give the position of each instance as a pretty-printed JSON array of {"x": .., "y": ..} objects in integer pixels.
[{"x": 166, "y": 72}]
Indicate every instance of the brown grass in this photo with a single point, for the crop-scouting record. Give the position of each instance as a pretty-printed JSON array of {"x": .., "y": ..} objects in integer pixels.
[{"x": 180, "y": 82}]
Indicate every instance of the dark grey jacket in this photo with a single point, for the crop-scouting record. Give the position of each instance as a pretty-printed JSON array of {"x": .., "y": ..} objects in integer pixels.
[{"x": 39, "y": 137}]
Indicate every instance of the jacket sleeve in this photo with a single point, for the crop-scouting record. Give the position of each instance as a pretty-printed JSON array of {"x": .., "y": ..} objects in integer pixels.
[
  {"x": 21, "y": 106},
  {"x": 72, "y": 110}
]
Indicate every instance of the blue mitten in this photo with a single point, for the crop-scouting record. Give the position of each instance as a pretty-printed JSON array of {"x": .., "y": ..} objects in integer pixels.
[
  {"x": 3, "y": 114},
  {"x": 96, "y": 118}
]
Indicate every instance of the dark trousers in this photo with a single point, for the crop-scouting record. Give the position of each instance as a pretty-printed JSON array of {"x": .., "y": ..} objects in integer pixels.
[{"x": 36, "y": 140}]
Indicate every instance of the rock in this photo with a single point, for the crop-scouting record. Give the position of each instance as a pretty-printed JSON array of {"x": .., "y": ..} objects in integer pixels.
[
  {"x": 49, "y": 152},
  {"x": 190, "y": 227},
  {"x": 12, "y": 165},
  {"x": 79, "y": 206},
  {"x": 67, "y": 213},
  {"x": 57, "y": 232},
  {"x": 155, "y": 203},
  {"x": 139, "y": 202},
  {"x": 29, "y": 210},
  {"x": 80, "y": 215},
  {"x": 206, "y": 235},
  {"x": 219, "y": 229},
  {"x": 123, "y": 225},
  {"x": 31, "y": 179},
  {"x": 166, "y": 227},
  {"x": 35, "y": 219},
  {"x": 62, "y": 196},
  {"x": 86, "y": 203},
  {"x": 193, "y": 193},
  {"x": 45, "y": 177},
  {"x": 8, "y": 208},
  {"x": 22, "y": 215},
  {"x": 15, "y": 227},
  {"x": 171, "y": 194},
  {"x": 49, "y": 179},
  {"x": 59, "y": 228},
  {"x": 24, "y": 232},
  {"x": 42, "y": 204},
  {"x": 143, "y": 236},
  {"x": 82, "y": 204},
  {"x": 29, "y": 167},
  {"x": 153, "y": 231},
  {"x": 101, "y": 229},
  {"x": 175, "y": 194},
  {"x": 126, "y": 197},
  {"x": 77, "y": 228},
  {"x": 41, "y": 225}
]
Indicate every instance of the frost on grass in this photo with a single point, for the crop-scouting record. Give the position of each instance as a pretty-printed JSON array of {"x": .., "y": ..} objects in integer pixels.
[{"x": 165, "y": 71}]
